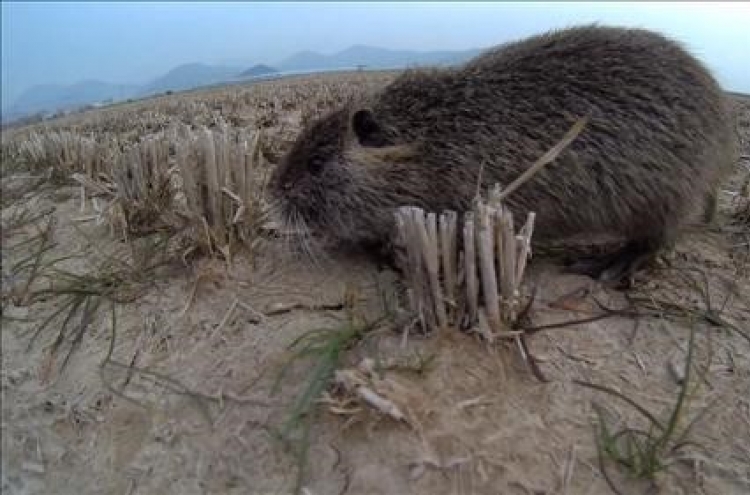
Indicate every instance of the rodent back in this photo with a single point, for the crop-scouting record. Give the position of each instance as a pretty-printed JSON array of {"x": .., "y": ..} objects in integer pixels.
[{"x": 657, "y": 123}]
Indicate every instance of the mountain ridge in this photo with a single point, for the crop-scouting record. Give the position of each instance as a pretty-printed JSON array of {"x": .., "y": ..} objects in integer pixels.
[
  {"x": 258, "y": 70},
  {"x": 56, "y": 97}
]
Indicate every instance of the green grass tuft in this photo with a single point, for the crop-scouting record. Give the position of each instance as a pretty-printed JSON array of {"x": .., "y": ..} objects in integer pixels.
[
  {"x": 643, "y": 453},
  {"x": 325, "y": 347}
]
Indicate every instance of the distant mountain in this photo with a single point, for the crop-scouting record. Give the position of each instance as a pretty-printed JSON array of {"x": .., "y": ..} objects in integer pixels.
[
  {"x": 189, "y": 76},
  {"x": 306, "y": 60},
  {"x": 54, "y": 97},
  {"x": 258, "y": 70},
  {"x": 50, "y": 97},
  {"x": 373, "y": 58}
]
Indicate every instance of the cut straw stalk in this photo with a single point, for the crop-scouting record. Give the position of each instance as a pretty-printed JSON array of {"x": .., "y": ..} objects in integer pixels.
[
  {"x": 486, "y": 228},
  {"x": 470, "y": 271},
  {"x": 508, "y": 262},
  {"x": 545, "y": 159},
  {"x": 212, "y": 214},
  {"x": 412, "y": 272},
  {"x": 428, "y": 235},
  {"x": 448, "y": 234}
]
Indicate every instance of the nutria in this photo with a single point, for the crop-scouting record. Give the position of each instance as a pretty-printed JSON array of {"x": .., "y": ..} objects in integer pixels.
[{"x": 656, "y": 144}]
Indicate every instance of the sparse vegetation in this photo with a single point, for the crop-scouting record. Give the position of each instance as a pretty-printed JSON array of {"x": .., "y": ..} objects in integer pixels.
[
  {"x": 644, "y": 453},
  {"x": 326, "y": 348},
  {"x": 35, "y": 272}
]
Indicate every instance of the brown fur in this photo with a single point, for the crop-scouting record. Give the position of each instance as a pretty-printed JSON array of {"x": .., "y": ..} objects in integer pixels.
[{"x": 658, "y": 139}]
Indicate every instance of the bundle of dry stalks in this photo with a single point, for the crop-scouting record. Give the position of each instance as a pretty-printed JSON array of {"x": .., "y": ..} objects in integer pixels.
[
  {"x": 204, "y": 182},
  {"x": 444, "y": 282},
  {"x": 60, "y": 153},
  {"x": 137, "y": 188},
  {"x": 222, "y": 184}
]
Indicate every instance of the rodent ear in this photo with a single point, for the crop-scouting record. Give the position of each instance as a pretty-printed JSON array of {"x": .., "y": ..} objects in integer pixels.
[{"x": 368, "y": 131}]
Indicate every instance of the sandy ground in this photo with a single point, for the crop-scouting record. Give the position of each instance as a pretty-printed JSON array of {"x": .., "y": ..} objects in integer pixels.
[{"x": 192, "y": 410}]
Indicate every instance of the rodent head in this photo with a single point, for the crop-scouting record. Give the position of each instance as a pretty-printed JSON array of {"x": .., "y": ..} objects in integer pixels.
[{"x": 331, "y": 181}]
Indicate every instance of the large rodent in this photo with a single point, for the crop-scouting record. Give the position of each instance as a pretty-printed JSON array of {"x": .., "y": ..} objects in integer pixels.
[{"x": 657, "y": 142}]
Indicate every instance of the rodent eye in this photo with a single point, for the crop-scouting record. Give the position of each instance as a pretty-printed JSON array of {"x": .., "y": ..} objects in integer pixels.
[{"x": 315, "y": 165}]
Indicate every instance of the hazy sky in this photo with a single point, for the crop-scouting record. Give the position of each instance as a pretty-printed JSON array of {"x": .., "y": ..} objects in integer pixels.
[{"x": 133, "y": 42}]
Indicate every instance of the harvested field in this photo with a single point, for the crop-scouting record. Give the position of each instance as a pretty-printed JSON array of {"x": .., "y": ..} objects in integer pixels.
[{"x": 160, "y": 336}]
